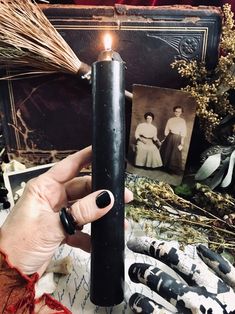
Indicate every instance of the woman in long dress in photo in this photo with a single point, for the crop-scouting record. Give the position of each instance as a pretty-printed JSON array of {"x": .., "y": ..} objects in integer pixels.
[
  {"x": 171, "y": 148},
  {"x": 147, "y": 153}
]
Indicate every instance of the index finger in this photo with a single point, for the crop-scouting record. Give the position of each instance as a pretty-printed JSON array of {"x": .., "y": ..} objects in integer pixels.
[{"x": 69, "y": 167}]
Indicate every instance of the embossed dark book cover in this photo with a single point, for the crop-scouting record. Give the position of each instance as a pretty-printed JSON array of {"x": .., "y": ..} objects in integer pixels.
[{"x": 45, "y": 118}]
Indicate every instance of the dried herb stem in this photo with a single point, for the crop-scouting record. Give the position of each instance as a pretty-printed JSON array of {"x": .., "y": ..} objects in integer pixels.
[
  {"x": 210, "y": 88},
  {"x": 157, "y": 194},
  {"x": 157, "y": 203}
]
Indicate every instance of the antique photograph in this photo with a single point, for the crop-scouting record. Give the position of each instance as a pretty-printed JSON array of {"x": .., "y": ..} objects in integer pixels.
[
  {"x": 161, "y": 127},
  {"x": 15, "y": 181}
]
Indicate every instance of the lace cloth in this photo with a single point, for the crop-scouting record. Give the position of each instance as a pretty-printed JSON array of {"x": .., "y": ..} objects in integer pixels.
[{"x": 17, "y": 293}]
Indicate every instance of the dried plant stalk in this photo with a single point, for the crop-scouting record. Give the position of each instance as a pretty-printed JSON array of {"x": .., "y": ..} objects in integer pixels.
[
  {"x": 28, "y": 39},
  {"x": 156, "y": 194},
  {"x": 186, "y": 229},
  {"x": 210, "y": 88},
  {"x": 183, "y": 221}
]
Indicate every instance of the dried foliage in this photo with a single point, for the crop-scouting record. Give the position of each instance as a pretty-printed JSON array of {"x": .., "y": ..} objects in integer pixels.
[
  {"x": 215, "y": 202},
  {"x": 171, "y": 216},
  {"x": 211, "y": 88},
  {"x": 28, "y": 39}
]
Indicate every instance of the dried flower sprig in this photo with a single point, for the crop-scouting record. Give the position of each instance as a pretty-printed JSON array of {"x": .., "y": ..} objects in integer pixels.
[
  {"x": 156, "y": 195},
  {"x": 166, "y": 226},
  {"x": 214, "y": 202},
  {"x": 210, "y": 88},
  {"x": 168, "y": 215}
]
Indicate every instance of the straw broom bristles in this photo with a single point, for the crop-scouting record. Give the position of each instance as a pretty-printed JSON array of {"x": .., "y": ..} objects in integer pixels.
[{"x": 28, "y": 39}]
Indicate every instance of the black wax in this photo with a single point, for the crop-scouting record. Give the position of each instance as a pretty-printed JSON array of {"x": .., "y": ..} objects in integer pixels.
[{"x": 108, "y": 167}]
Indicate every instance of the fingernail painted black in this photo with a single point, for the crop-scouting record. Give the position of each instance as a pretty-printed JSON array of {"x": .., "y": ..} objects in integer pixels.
[{"x": 103, "y": 199}]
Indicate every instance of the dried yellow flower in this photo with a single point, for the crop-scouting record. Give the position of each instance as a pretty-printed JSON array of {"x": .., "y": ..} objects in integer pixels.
[{"x": 210, "y": 88}]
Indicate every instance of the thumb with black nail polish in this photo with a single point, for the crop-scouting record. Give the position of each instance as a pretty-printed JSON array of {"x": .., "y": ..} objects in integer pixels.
[
  {"x": 92, "y": 207},
  {"x": 103, "y": 199}
]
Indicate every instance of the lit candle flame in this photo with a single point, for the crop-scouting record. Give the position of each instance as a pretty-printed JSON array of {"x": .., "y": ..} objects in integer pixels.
[{"x": 107, "y": 42}]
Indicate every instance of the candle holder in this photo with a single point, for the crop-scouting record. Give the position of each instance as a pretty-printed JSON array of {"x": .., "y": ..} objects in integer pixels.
[{"x": 108, "y": 169}]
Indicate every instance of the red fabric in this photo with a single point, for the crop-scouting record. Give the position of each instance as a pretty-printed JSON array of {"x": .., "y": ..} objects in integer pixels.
[
  {"x": 156, "y": 2},
  {"x": 17, "y": 293},
  {"x": 46, "y": 302}
]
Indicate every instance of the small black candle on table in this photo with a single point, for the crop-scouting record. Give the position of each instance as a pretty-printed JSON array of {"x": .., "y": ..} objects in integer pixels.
[{"x": 108, "y": 167}]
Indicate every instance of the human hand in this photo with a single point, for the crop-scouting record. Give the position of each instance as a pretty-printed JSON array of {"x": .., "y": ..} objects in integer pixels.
[
  {"x": 203, "y": 292},
  {"x": 142, "y": 139},
  {"x": 158, "y": 143},
  {"x": 180, "y": 147},
  {"x": 33, "y": 231}
]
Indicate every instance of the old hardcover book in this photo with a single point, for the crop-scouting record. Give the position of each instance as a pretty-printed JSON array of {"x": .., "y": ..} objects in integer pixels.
[{"x": 46, "y": 118}]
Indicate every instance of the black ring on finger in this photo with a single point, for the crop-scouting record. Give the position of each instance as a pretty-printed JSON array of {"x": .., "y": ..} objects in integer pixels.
[{"x": 68, "y": 222}]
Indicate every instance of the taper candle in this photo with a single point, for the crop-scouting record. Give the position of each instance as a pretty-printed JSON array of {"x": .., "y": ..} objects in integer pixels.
[{"x": 108, "y": 167}]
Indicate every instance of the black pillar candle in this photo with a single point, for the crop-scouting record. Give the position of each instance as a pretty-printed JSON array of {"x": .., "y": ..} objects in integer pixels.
[{"x": 108, "y": 166}]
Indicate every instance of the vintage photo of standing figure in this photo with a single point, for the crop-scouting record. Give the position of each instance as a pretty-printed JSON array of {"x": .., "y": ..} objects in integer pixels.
[
  {"x": 162, "y": 121},
  {"x": 147, "y": 153},
  {"x": 171, "y": 148}
]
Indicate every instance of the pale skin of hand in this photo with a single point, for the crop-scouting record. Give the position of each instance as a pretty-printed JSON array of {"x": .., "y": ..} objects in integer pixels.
[
  {"x": 142, "y": 139},
  {"x": 33, "y": 231}
]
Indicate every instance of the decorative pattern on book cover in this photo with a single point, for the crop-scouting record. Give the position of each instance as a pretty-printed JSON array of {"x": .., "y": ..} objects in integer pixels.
[{"x": 46, "y": 118}]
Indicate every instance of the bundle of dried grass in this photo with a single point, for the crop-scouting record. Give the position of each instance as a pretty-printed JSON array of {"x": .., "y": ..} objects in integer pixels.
[
  {"x": 166, "y": 215},
  {"x": 28, "y": 39}
]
